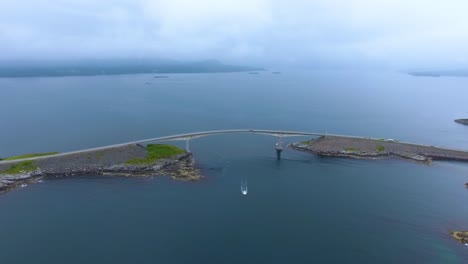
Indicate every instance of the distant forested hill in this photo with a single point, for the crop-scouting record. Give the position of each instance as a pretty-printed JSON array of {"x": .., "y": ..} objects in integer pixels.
[{"x": 113, "y": 67}]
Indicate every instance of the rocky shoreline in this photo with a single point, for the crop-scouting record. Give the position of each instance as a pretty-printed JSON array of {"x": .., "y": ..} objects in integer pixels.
[
  {"x": 113, "y": 161},
  {"x": 367, "y": 148}
]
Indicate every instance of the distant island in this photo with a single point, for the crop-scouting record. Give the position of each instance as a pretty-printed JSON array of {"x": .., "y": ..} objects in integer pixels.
[
  {"x": 461, "y": 236},
  {"x": 462, "y": 121},
  {"x": 441, "y": 73},
  {"x": 114, "y": 67}
]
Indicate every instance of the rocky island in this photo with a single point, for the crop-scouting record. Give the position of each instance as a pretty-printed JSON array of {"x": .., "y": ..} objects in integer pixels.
[
  {"x": 461, "y": 236},
  {"x": 127, "y": 160},
  {"x": 367, "y": 148},
  {"x": 463, "y": 121},
  {"x": 440, "y": 73}
]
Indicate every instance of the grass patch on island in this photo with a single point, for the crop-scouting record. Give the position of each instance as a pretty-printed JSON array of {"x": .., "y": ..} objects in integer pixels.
[
  {"x": 33, "y": 155},
  {"x": 22, "y": 167},
  {"x": 352, "y": 149},
  {"x": 380, "y": 148},
  {"x": 156, "y": 152}
]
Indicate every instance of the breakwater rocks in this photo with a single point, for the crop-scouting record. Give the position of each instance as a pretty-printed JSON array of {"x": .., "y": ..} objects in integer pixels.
[
  {"x": 112, "y": 161},
  {"x": 367, "y": 148},
  {"x": 9, "y": 181}
]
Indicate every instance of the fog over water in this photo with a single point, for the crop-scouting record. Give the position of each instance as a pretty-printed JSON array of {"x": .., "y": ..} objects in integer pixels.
[{"x": 394, "y": 34}]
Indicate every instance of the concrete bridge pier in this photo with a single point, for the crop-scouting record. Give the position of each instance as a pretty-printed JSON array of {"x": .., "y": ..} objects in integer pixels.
[
  {"x": 187, "y": 145},
  {"x": 279, "y": 149}
]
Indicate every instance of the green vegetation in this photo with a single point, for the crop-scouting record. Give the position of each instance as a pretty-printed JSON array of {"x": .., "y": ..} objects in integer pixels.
[
  {"x": 381, "y": 139},
  {"x": 25, "y": 156},
  {"x": 461, "y": 236},
  {"x": 25, "y": 166},
  {"x": 99, "y": 155},
  {"x": 352, "y": 149},
  {"x": 380, "y": 148},
  {"x": 307, "y": 142},
  {"x": 156, "y": 152}
]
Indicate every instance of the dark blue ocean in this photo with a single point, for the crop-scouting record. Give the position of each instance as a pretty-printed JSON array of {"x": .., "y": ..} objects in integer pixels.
[{"x": 302, "y": 209}]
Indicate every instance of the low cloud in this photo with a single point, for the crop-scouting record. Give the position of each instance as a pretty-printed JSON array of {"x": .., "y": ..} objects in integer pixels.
[{"x": 393, "y": 33}]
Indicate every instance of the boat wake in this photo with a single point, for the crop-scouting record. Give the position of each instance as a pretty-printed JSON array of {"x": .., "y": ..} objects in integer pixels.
[{"x": 244, "y": 188}]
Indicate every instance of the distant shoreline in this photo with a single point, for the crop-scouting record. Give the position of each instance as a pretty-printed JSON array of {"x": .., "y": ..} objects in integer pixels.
[
  {"x": 100, "y": 68},
  {"x": 114, "y": 74}
]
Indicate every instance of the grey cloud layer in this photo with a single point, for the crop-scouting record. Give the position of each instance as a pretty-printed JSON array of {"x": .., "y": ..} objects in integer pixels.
[{"x": 397, "y": 33}]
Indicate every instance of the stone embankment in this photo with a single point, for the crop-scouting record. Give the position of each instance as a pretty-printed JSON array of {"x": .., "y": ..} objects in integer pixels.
[
  {"x": 112, "y": 161},
  {"x": 367, "y": 148}
]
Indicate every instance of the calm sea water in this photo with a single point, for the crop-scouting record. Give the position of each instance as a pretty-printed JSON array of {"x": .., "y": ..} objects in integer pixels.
[{"x": 303, "y": 209}]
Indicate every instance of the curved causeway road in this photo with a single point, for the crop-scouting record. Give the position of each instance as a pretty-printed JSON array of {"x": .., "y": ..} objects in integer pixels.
[{"x": 189, "y": 136}]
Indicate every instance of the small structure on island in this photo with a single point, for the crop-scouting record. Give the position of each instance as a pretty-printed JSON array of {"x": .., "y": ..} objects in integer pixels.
[{"x": 466, "y": 185}]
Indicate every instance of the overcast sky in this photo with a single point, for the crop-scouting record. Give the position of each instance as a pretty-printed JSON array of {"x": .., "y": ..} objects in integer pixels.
[{"x": 392, "y": 33}]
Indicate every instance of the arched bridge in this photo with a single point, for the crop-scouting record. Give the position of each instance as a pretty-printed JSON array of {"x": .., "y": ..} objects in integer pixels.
[{"x": 189, "y": 136}]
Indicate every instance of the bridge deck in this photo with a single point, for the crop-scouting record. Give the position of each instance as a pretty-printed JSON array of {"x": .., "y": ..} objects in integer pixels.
[{"x": 189, "y": 136}]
